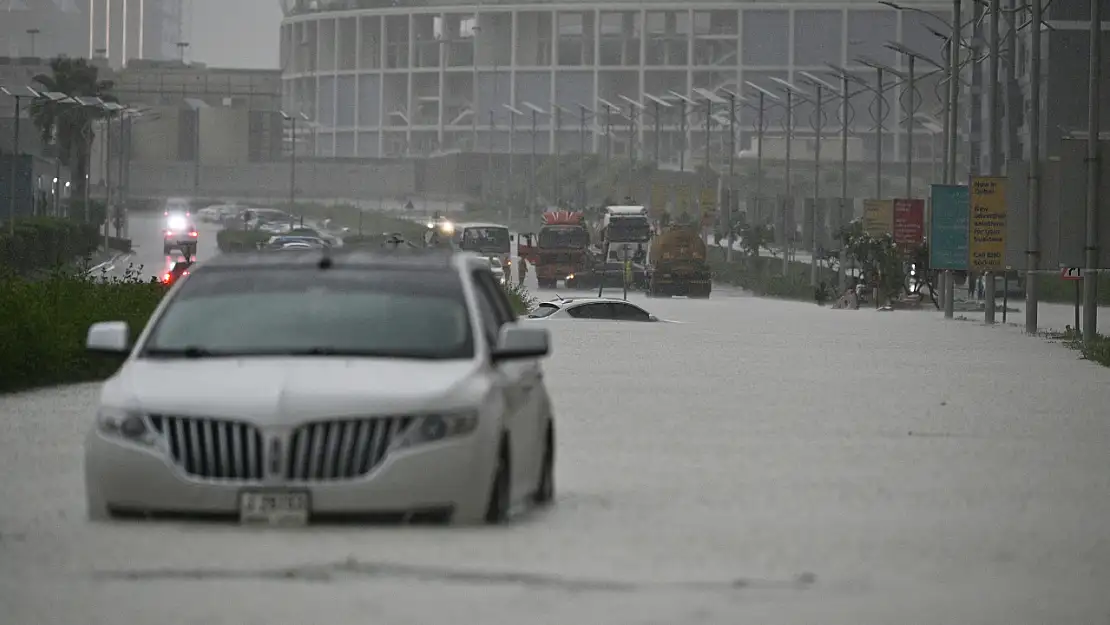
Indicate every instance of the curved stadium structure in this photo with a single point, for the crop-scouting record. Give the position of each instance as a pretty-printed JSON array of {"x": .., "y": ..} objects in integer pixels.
[{"x": 396, "y": 77}]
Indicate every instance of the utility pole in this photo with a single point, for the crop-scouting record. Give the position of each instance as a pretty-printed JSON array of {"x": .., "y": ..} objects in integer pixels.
[
  {"x": 910, "y": 97},
  {"x": 558, "y": 149},
  {"x": 953, "y": 134},
  {"x": 1033, "y": 238},
  {"x": 582, "y": 157},
  {"x": 731, "y": 174},
  {"x": 994, "y": 131},
  {"x": 817, "y": 126},
  {"x": 788, "y": 204},
  {"x": 1090, "y": 273}
]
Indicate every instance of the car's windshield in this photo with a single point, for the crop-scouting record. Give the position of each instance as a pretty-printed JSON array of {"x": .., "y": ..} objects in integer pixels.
[
  {"x": 563, "y": 237},
  {"x": 244, "y": 312},
  {"x": 543, "y": 310},
  {"x": 484, "y": 239}
]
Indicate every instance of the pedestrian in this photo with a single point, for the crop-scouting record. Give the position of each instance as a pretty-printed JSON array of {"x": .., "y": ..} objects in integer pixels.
[
  {"x": 970, "y": 284},
  {"x": 521, "y": 271}
]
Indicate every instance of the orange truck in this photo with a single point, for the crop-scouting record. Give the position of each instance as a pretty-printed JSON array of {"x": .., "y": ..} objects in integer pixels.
[{"x": 559, "y": 249}]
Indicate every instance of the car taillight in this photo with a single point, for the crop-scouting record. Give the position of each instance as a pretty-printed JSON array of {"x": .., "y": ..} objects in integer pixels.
[
  {"x": 193, "y": 233},
  {"x": 166, "y": 278},
  {"x": 169, "y": 233}
]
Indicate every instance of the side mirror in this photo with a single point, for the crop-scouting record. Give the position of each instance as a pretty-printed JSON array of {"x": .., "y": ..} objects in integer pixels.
[
  {"x": 108, "y": 337},
  {"x": 517, "y": 343}
]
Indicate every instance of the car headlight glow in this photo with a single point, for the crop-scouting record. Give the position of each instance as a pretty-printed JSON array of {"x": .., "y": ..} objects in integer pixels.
[
  {"x": 432, "y": 428},
  {"x": 127, "y": 425}
]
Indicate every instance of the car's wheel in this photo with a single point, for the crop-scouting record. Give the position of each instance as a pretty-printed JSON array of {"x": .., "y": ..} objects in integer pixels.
[
  {"x": 500, "y": 496},
  {"x": 545, "y": 490}
]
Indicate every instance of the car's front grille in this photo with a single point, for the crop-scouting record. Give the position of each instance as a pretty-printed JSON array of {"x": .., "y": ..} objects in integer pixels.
[
  {"x": 341, "y": 449},
  {"x": 212, "y": 448}
]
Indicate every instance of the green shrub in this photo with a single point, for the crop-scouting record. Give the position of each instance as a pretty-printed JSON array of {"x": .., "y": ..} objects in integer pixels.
[
  {"x": 230, "y": 241},
  {"x": 43, "y": 243},
  {"x": 1052, "y": 289},
  {"x": 43, "y": 324},
  {"x": 520, "y": 298},
  {"x": 762, "y": 275}
]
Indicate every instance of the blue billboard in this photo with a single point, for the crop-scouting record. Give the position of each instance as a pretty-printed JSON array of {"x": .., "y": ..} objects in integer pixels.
[{"x": 949, "y": 224}]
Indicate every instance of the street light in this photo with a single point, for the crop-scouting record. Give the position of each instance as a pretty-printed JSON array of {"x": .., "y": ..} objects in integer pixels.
[
  {"x": 911, "y": 57},
  {"x": 791, "y": 92},
  {"x": 733, "y": 99},
  {"x": 18, "y": 94},
  {"x": 683, "y": 102},
  {"x": 845, "y": 120},
  {"x": 659, "y": 104},
  {"x": 536, "y": 112},
  {"x": 512, "y": 153},
  {"x": 880, "y": 118},
  {"x": 633, "y": 108},
  {"x": 760, "y": 130},
  {"x": 557, "y": 148},
  {"x": 609, "y": 108},
  {"x": 292, "y": 118}
]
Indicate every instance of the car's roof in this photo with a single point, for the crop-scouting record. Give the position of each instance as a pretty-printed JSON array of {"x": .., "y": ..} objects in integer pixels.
[
  {"x": 429, "y": 259},
  {"x": 587, "y": 300}
]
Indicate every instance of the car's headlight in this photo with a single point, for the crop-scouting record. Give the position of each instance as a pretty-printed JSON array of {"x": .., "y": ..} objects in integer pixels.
[
  {"x": 124, "y": 424},
  {"x": 431, "y": 428}
]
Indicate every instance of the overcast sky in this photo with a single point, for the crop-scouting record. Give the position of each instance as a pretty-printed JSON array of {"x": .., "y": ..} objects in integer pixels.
[{"x": 233, "y": 33}]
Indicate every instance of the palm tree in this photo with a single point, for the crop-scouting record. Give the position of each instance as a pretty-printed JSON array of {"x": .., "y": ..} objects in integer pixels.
[{"x": 67, "y": 125}]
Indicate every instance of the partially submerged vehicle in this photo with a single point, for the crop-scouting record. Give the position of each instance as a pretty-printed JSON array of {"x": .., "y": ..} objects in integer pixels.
[{"x": 677, "y": 264}]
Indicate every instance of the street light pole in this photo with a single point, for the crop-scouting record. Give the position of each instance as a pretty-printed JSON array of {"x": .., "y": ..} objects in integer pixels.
[
  {"x": 1090, "y": 273},
  {"x": 910, "y": 109},
  {"x": 1033, "y": 238},
  {"x": 817, "y": 127},
  {"x": 731, "y": 174},
  {"x": 994, "y": 127},
  {"x": 582, "y": 157},
  {"x": 952, "y": 137},
  {"x": 558, "y": 149}
]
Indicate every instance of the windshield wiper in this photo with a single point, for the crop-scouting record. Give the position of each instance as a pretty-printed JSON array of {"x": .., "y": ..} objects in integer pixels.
[{"x": 180, "y": 352}]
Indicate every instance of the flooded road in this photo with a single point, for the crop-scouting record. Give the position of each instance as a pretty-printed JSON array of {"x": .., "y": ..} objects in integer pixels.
[{"x": 762, "y": 462}]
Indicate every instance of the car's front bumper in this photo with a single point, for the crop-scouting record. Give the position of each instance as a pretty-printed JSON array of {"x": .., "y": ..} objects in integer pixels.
[{"x": 451, "y": 476}]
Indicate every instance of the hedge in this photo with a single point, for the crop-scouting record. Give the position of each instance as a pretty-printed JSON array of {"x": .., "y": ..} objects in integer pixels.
[
  {"x": 46, "y": 242},
  {"x": 1052, "y": 289},
  {"x": 44, "y": 323},
  {"x": 763, "y": 275}
]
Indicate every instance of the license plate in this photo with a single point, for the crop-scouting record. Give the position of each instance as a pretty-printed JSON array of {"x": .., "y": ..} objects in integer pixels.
[{"x": 274, "y": 507}]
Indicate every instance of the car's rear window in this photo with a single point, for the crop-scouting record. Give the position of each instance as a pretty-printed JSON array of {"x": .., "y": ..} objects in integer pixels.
[
  {"x": 543, "y": 310},
  {"x": 346, "y": 311}
]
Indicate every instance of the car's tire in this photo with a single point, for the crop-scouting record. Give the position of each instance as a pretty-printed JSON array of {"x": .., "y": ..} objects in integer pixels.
[
  {"x": 545, "y": 490},
  {"x": 501, "y": 488}
]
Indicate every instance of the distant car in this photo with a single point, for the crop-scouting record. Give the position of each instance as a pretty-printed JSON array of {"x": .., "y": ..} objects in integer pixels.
[
  {"x": 179, "y": 233},
  {"x": 297, "y": 245},
  {"x": 283, "y": 240},
  {"x": 286, "y": 388},
  {"x": 497, "y": 268},
  {"x": 596, "y": 308}
]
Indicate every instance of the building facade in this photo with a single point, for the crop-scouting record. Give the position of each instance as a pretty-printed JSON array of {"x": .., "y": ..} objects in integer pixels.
[
  {"x": 119, "y": 30},
  {"x": 396, "y": 77}
]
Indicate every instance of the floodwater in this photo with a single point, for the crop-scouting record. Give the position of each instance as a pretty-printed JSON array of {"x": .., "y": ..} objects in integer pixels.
[{"x": 762, "y": 462}]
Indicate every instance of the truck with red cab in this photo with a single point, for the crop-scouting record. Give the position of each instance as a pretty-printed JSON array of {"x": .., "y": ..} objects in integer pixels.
[{"x": 559, "y": 249}]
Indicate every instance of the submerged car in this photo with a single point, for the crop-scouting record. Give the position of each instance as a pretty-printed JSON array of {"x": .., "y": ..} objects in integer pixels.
[
  {"x": 596, "y": 308},
  {"x": 335, "y": 387}
]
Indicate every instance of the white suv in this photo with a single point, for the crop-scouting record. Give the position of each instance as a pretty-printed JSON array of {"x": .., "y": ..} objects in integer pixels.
[{"x": 329, "y": 385}]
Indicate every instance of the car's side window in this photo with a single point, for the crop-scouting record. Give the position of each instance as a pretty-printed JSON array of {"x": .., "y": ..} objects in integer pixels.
[
  {"x": 490, "y": 323},
  {"x": 497, "y": 295},
  {"x": 627, "y": 312},
  {"x": 590, "y": 311}
]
